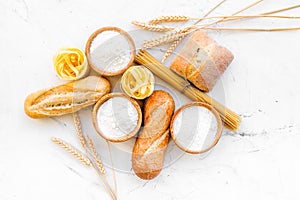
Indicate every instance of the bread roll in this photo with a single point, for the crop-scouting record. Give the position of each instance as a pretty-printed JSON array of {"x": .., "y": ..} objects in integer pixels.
[
  {"x": 149, "y": 149},
  {"x": 66, "y": 98},
  {"x": 202, "y": 61}
]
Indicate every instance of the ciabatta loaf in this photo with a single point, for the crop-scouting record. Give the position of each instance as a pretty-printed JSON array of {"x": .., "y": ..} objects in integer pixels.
[
  {"x": 66, "y": 98},
  {"x": 202, "y": 61}
]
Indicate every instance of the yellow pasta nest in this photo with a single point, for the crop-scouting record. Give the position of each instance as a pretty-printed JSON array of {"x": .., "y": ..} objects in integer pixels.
[
  {"x": 70, "y": 64},
  {"x": 138, "y": 82}
]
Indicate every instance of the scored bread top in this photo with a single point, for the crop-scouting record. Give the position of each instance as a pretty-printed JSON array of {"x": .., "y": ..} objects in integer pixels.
[{"x": 66, "y": 98}]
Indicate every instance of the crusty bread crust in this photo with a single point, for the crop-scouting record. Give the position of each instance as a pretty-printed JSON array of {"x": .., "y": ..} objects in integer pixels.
[
  {"x": 66, "y": 98},
  {"x": 202, "y": 61},
  {"x": 149, "y": 149}
]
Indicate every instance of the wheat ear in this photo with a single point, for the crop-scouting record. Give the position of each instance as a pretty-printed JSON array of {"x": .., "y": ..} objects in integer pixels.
[
  {"x": 95, "y": 155},
  {"x": 78, "y": 128},
  {"x": 166, "y": 38},
  {"x": 72, "y": 150},
  {"x": 177, "y": 42},
  {"x": 171, "y": 18},
  {"x": 150, "y": 27},
  {"x": 172, "y": 47}
]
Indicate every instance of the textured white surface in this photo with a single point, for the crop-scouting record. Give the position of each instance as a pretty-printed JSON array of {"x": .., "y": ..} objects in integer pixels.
[{"x": 260, "y": 161}]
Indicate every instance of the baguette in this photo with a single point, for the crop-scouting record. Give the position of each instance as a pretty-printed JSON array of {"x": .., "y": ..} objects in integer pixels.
[
  {"x": 66, "y": 98},
  {"x": 149, "y": 149}
]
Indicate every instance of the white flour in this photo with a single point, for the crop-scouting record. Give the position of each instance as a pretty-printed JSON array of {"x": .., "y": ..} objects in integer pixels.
[
  {"x": 112, "y": 54},
  {"x": 195, "y": 128},
  {"x": 117, "y": 117}
]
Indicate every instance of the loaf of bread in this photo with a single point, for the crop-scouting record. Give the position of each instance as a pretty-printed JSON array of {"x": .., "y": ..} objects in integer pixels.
[
  {"x": 150, "y": 146},
  {"x": 202, "y": 61},
  {"x": 66, "y": 98}
]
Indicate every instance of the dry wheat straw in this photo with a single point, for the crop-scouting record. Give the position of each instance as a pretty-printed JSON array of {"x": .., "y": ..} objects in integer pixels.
[
  {"x": 87, "y": 161},
  {"x": 174, "y": 45},
  {"x": 105, "y": 183},
  {"x": 182, "y": 32},
  {"x": 253, "y": 29},
  {"x": 112, "y": 165},
  {"x": 265, "y": 14},
  {"x": 171, "y": 18},
  {"x": 232, "y": 17},
  {"x": 247, "y": 7},
  {"x": 95, "y": 155},
  {"x": 281, "y": 10},
  {"x": 270, "y": 12},
  {"x": 72, "y": 150},
  {"x": 80, "y": 135},
  {"x": 149, "y": 27},
  {"x": 224, "y": 19},
  {"x": 176, "y": 35},
  {"x": 210, "y": 11},
  {"x": 238, "y": 17},
  {"x": 95, "y": 160}
]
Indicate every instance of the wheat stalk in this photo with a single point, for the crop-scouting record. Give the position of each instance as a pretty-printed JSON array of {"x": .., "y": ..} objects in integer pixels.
[
  {"x": 87, "y": 140},
  {"x": 95, "y": 155},
  {"x": 210, "y": 11},
  {"x": 150, "y": 27},
  {"x": 78, "y": 128},
  {"x": 182, "y": 32},
  {"x": 171, "y": 18},
  {"x": 72, "y": 150},
  {"x": 281, "y": 9},
  {"x": 265, "y": 14},
  {"x": 172, "y": 47},
  {"x": 112, "y": 164},
  {"x": 238, "y": 17},
  {"x": 176, "y": 35},
  {"x": 227, "y": 18},
  {"x": 166, "y": 38},
  {"x": 254, "y": 29},
  {"x": 87, "y": 161}
]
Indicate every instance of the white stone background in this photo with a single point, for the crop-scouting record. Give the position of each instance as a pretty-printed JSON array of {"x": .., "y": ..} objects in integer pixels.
[{"x": 259, "y": 161}]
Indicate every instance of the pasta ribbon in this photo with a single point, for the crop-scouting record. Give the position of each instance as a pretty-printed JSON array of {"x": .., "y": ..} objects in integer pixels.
[
  {"x": 70, "y": 64},
  {"x": 138, "y": 82}
]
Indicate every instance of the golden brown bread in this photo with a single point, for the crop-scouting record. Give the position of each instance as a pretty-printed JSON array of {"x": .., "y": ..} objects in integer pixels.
[
  {"x": 202, "y": 61},
  {"x": 66, "y": 98},
  {"x": 149, "y": 149}
]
